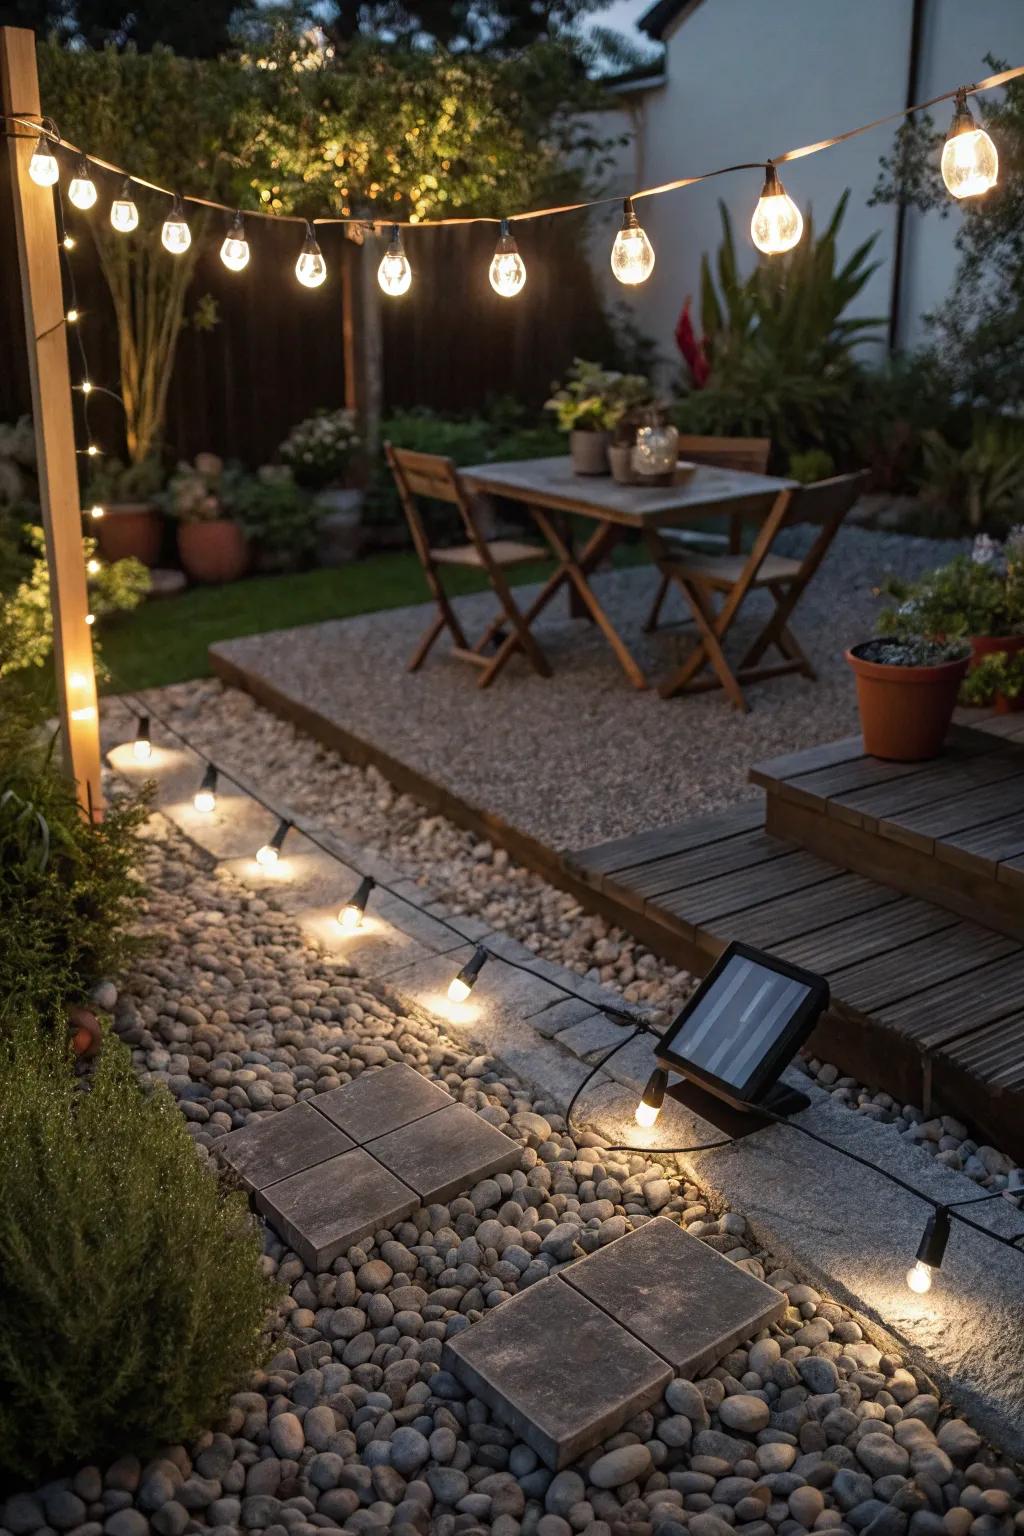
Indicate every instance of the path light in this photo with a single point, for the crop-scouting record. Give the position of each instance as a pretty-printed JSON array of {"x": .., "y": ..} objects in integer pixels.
[
  {"x": 82, "y": 190},
  {"x": 970, "y": 161},
  {"x": 777, "y": 223},
  {"x": 462, "y": 985},
  {"x": 142, "y": 747},
  {"x": 930, "y": 1251},
  {"x": 394, "y": 273},
  {"x": 234, "y": 253},
  {"x": 632, "y": 252},
  {"x": 205, "y": 797},
  {"x": 43, "y": 167},
  {"x": 508, "y": 270},
  {"x": 652, "y": 1098},
  {"x": 310, "y": 269},
  {"x": 176, "y": 236},
  {"x": 351, "y": 915},
  {"x": 124, "y": 215},
  {"x": 269, "y": 854}
]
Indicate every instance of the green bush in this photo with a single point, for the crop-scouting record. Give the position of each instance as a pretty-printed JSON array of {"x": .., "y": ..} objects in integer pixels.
[
  {"x": 965, "y": 598},
  {"x": 814, "y": 464},
  {"x": 980, "y": 484},
  {"x": 132, "y": 1299},
  {"x": 277, "y": 514}
]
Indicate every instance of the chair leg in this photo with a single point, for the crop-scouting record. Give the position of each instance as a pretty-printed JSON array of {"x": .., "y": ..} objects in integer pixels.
[
  {"x": 708, "y": 651},
  {"x": 651, "y": 622},
  {"x": 419, "y": 655}
]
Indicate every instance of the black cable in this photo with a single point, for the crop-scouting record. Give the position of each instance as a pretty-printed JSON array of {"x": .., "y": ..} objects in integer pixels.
[{"x": 706, "y": 1146}]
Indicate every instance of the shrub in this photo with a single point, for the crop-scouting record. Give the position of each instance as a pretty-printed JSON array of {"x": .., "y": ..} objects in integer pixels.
[
  {"x": 813, "y": 465},
  {"x": 277, "y": 514},
  {"x": 978, "y": 485},
  {"x": 319, "y": 450},
  {"x": 969, "y": 596},
  {"x": 132, "y": 1299}
]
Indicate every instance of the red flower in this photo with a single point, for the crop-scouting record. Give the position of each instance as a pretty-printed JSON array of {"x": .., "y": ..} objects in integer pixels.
[{"x": 692, "y": 349}]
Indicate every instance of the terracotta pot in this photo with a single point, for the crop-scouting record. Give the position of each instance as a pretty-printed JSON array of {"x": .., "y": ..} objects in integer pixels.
[
  {"x": 905, "y": 711},
  {"x": 589, "y": 452},
  {"x": 85, "y": 1032},
  {"x": 130, "y": 528},
  {"x": 215, "y": 551},
  {"x": 1007, "y": 706},
  {"x": 987, "y": 645}
]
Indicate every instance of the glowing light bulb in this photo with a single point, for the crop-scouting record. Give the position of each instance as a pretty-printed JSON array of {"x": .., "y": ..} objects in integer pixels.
[
  {"x": 234, "y": 253},
  {"x": 920, "y": 1278},
  {"x": 82, "y": 190},
  {"x": 777, "y": 223},
  {"x": 90, "y": 619},
  {"x": 176, "y": 236},
  {"x": 43, "y": 167},
  {"x": 462, "y": 985},
  {"x": 92, "y": 451},
  {"x": 930, "y": 1251},
  {"x": 96, "y": 512},
  {"x": 68, "y": 242},
  {"x": 351, "y": 915},
  {"x": 205, "y": 797},
  {"x": 72, "y": 317},
  {"x": 508, "y": 270},
  {"x": 970, "y": 160},
  {"x": 394, "y": 273},
  {"x": 142, "y": 747},
  {"x": 310, "y": 268},
  {"x": 652, "y": 1098},
  {"x": 269, "y": 854},
  {"x": 85, "y": 387},
  {"x": 124, "y": 215},
  {"x": 632, "y": 252},
  {"x": 93, "y": 566}
]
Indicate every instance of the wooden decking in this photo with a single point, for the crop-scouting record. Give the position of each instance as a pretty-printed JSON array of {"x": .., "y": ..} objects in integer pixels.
[{"x": 902, "y": 883}]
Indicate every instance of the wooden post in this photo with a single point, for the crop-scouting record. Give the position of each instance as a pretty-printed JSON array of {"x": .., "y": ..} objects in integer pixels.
[{"x": 43, "y": 301}]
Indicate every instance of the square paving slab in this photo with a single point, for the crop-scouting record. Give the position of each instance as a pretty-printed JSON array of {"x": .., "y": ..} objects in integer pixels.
[
  {"x": 446, "y": 1153},
  {"x": 278, "y": 1145},
  {"x": 681, "y": 1298},
  {"x": 375, "y": 1103},
  {"x": 322, "y": 1211},
  {"x": 555, "y": 1368}
]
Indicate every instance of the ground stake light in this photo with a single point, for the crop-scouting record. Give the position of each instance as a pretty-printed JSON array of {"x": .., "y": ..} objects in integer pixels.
[
  {"x": 930, "y": 1251},
  {"x": 142, "y": 747},
  {"x": 462, "y": 985},
  {"x": 351, "y": 915},
  {"x": 269, "y": 854},
  {"x": 205, "y": 797},
  {"x": 652, "y": 1098}
]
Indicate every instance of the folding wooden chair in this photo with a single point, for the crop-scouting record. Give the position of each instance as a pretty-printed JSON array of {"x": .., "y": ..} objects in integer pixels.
[
  {"x": 700, "y": 577},
  {"x": 749, "y": 453},
  {"x": 432, "y": 476}
]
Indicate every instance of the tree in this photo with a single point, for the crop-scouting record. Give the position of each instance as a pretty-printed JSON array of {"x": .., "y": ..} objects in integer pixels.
[
  {"x": 477, "y": 25},
  {"x": 199, "y": 29}
]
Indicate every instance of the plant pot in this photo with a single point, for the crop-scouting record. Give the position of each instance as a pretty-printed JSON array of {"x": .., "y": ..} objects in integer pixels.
[
  {"x": 986, "y": 645},
  {"x": 905, "y": 711},
  {"x": 589, "y": 452},
  {"x": 130, "y": 528},
  {"x": 213, "y": 552},
  {"x": 1005, "y": 705},
  {"x": 339, "y": 529},
  {"x": 85, "y": 1032},
  {"x": 620, "y": 457}
]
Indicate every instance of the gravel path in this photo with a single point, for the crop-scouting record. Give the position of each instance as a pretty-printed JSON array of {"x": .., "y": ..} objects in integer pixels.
[
  {"x": 354, "y": 1426},
  {"x": 582, "y": 756}
]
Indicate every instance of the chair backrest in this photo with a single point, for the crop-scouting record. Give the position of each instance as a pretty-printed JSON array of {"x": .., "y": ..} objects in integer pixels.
[
  {"x": 825, "y": 501},
  {"x": 424, "y": 474},
  {"x": 749, "y": 453}
]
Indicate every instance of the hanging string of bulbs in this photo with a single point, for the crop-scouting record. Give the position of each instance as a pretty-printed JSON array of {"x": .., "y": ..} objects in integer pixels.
[{"x": 969, "y": 166}]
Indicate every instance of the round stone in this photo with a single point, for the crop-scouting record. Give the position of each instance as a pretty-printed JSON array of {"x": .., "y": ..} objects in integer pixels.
[
  {"x": 626, "y": 1464},
  {"x": 744, "y": 1412}
]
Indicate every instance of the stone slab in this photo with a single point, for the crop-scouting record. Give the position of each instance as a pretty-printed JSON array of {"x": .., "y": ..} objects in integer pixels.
[
  {"x": 278, "y": 1145},
  {"x": 375, "y": 1103},
  {"x": 446, "y": 1153},
  {"x": 557, "y": 1369},
  {"x": 324, "y": 1210},
  {"x": 678, "y": 1296}
]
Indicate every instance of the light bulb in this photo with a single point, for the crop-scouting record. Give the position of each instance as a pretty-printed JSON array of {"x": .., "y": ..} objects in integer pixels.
[
  {"x": 93, "y": 566},
  {"x": 90, "y": 619},
  {"x": 632, "y": 252},
  {"x": 394, "y": 273},
  {"x": 92, "y": 451},
  {"x": 462, "y": 985},
  {"x": 176, "y": 236},
  {"x": 234, "y": 253},
  {"x": 269, "y": 854},
  {"x": 205, "y": 797},
  {"x": 920, "y": 1278},
  {"x": 142, "y": 747},
  {"x": 43, "y": 167},
  {"x": 351, "y": 915},
  {"x": 930, "y": 1251},
  {"x": 970, "y": 161},
  {"x": 72, "y": 317},
  {"x": 85, "y": 387},
  {"x": 508, "y": 270},
  {"x": 310, "y": 269},
  {"x": 124, "y": 215},
  {"x": 96, "y": 512},
  {"x": 82, "y": 190},
  {"x": 458, "y": 990},
  {"x": 777, "y": 223},
  {"x": 652, "y": 1098},
  {"x": 68, "y": 242}
]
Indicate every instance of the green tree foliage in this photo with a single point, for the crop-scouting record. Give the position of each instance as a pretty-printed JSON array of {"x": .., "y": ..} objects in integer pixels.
[
  {"x": 484, "y": 25},
  {"x": 197, "y": 28}
]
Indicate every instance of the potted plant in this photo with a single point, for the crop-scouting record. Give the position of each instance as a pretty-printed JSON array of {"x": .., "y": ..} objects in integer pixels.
[
  {"x": 977, "y": 597},
  {"x": 319, "y": 452},
  {"x": 589, "y": 406},
  {"x": 211, "y": 543},
  {"x": 279, "y": 518},
  {"x": 906, "y": 692},
  {"x": 129, "y": 496},
  {"x": 998, "y": 679}
]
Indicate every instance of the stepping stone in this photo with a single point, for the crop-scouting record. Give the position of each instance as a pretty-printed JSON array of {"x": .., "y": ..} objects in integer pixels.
[
  {"x": 681, "y": 1298},
  {"x": 446, "y": 1152},
  {"x": 322, "y": 1211},
  {"x": 375, "y": 1103},
  {"x": 556, "y": 1369},
  {"x": 275, "y": 1146}
]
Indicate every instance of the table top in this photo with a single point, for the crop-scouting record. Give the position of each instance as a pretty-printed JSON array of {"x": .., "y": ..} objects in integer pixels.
[{"x": 552, "y": 483}]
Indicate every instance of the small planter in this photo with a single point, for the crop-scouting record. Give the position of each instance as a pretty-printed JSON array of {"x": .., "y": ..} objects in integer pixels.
[
  {"x": 214, "y": 551},
  {"x": 339, "y": 530},
  {"x": 985, "y": 645},
  {"x": 589, "y": 452},
  {"x": 904, "y": 711},
  {"x": 130, "y": 528},
  {"x": 1007, "y": 705},
  {"x": 620, "y": 458},
  {"x": 85, "y": 1032}
]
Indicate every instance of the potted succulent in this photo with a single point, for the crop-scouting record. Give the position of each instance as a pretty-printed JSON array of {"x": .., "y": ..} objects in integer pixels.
[
  {"x": 977, "y": 597},
  {"x": 319, "y": 452},
  {"x": 906, "y": 692},
  {"x": 997, "y": 678},
  {"x": 211, "y": 543},
  {"x": 589, "y": 406},
  {"x": 128, "y": 496}
]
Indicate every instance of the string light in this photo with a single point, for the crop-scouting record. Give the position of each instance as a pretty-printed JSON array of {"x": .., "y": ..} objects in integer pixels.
[
  {"x": 90, "y": 619},
  {"x": 72, "y": 316},
  {"x": 68, "y": 242},
  {"x": 508, "y": 270},
  {"x": 970, "y": 161},
  {"x": 93, "y": 566},
  {"x": 394, "y": 273},
  {"x": 205, "y": 797},
  {"x": 632, "y": 252},
  {"x": 96, "y": 512},
  {"x": 142, "y": 747},
  {"x": 930, "y": 1251},
  {"x": 176, "y": 236},
  {"x": 234, "y": 253},
  {"x": 85, "y": 387},
  {"x": 82, "y": 190},
  {"x": 310, "y": 269},
  {"x": 777, "y": 223},
  {"x": 124, "y": 215},
  {"x": 92, "y": 451},
  {"x": 462, "y": 985},
  {"x": 652, "y": 1098},
  {"x": 351, "y": 915},
  {"x": 269, "y": 854},
  {"x": 43, "y": 167}
]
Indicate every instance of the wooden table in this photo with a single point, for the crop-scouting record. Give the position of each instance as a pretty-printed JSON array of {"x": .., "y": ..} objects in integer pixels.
[{"x": 550, "y": 489}]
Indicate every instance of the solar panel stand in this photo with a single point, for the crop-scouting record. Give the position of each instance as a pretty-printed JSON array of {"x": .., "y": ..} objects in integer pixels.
[{"x": 727, "y": 1118}]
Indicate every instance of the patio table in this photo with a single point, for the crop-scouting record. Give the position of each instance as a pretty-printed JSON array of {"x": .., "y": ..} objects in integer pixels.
[{"x": 550, "y": 489}]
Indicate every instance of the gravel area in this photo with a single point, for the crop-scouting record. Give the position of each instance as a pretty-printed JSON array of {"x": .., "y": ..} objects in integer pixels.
[
  {"x": 354, "y": 1426},
  {"x": 582, "y": 756}
]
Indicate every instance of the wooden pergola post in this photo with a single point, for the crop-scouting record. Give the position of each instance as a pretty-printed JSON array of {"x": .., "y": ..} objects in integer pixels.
[{"x": 43, "y": 302}]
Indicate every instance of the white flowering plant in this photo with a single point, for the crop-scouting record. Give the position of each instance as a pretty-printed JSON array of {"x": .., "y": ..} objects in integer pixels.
[{"x": 320, "y": 449}]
